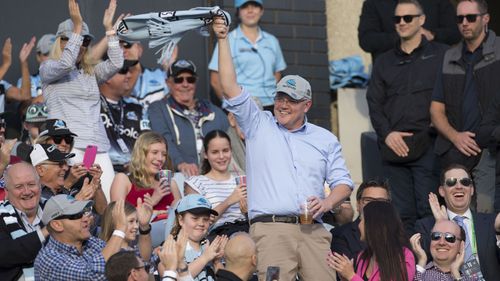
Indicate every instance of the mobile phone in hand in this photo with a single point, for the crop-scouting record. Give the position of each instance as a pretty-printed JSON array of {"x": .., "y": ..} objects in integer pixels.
[
  {"x": 89, "y": 156},
  {"x": 273, "y": 273}
]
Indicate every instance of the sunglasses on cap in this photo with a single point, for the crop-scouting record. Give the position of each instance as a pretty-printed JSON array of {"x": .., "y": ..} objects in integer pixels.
[
  {"x": 58, "y": 139},
  {"x": 406, "y": 18},
  {"x": 87, "y": 211},
  {"x": 469, "y": 17},
  {"x": 86, "y": 40},
  {"x": 448, "y": 237},
  {"x": 451, "y": 182},
  {"x": 190, "y": 79}
]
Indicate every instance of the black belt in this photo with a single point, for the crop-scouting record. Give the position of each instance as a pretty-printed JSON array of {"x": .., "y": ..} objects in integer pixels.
[{"x": 276, "y": 218}]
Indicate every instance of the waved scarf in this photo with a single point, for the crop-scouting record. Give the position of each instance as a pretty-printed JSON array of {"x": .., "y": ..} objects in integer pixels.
[{"x": 166, "y": 29}]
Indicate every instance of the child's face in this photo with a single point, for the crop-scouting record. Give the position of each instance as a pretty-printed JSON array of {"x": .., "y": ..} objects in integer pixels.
[{"x": 196, "y": 226}]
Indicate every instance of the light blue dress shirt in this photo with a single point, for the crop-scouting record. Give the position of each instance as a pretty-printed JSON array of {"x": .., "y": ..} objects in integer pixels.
[
  {"x": 255, "y": 64},
  {"x": 285, "y": 167}
]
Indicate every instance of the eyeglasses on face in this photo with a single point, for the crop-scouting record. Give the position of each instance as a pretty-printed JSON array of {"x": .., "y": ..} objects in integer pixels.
[
  {"x": 87, "y": 211},
  {"x": 85, "y": 43},
  {"x": 406, "y": 18},
  {"x": 125, "y": 44},
  {"x": 471, "y": 18},
  {"x": 123, "y": 70},
  {"x": 61, "y": 164},
  {"x": 451, "y": 182},
  {"x": 58, "y": 139},
  {"x": 281, "y": 99},
  {"x": 146, "y": 267},
  {"x": 448, "y": 237},
  {"x": 189, "y": 79}
]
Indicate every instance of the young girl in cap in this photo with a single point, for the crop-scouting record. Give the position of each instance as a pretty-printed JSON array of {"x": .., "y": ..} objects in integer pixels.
[
  {"x": 193, "y": 219},
  {"x": 219, "y": 187}
]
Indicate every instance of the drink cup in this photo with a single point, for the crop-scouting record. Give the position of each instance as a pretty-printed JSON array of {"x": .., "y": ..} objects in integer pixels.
[
  {"x": 241, "y": 180},
  {"x": 305, "y": 213},
  {"x": 166, "y": 174}
]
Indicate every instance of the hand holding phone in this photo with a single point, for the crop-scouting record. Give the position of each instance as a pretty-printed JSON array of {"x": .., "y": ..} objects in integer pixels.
[
  {"x": 89, "y": 156},
  {"x": 273, "y": 273}
]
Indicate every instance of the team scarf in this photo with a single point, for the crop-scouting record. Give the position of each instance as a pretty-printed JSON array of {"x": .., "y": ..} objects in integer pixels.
[{"x": 166, "y": 29}]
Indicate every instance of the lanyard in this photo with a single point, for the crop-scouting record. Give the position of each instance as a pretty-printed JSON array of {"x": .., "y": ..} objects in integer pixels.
[
  {"x": 473, "y": 238},
  {"x": 107, "y": 109}
]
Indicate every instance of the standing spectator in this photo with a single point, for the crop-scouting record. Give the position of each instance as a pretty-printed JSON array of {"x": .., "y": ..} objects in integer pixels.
[
  {"x": 71, "y": 252},
  {"x": 399, "y": 96},
  {"x": 387, "y": 255},
  {"x": 464, "y": 89},
  {"x": 22, "y": 232},
  {"x": 346, "y": 239},
  {"x": 184, "y": 120},
  {"x": 219, "y": 187},
  {"x": 376, "y": 33},
  {"x": 289, "y": 161},
  {"x": 69, "y": 84},
  {"x": 256, "y": 54},
  {"x": 122, "y": 119}
]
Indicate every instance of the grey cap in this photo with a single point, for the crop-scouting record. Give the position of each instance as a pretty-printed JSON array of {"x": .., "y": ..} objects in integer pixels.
[
  {"x": 45, "y": 43},
  {"x": 62, "y": 204},
  {"x": 295, "y": 86},
  {"x": 65, "y": 28}
]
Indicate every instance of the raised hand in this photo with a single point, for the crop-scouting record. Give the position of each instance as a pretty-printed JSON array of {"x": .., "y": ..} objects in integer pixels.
[
  {"x": 160, "y": 190},
  {"x": 417, "y": 248},
  {"x": 220, "y": 28},
  {"x": 458, "y": 262},
  {"x": 439, "y": 212},
  {"x": 5, "y": 151},
  {"x": 119, "y": 216},
  {"x": 239, "y": 192},
  {"x": 168, "y": 254},
  {"x": 76, "y": 16},
  {"x": 144, "y": 211},
  {"x": 109, "y": 14},
  {"x": 26, "y": 50},
  {"x": 7, "y": 53},
  {"x": 87, "y": 192}
]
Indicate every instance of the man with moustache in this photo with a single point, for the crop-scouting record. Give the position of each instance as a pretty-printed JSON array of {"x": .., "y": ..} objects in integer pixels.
[{"x": 399, "y": 96}]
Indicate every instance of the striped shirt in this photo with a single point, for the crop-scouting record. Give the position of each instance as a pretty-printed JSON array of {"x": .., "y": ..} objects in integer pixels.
[
  {"x": 433, "y": 273},
  {"x": 216, "y": 192},
  {"x": 73, "y": 96}
]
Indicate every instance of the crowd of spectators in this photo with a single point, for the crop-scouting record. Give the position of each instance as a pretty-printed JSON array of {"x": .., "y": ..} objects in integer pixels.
[{"x": 123, "y": 173}]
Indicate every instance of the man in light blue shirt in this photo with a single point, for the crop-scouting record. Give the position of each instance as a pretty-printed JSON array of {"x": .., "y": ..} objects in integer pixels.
[
  {"x": 288, "y": 162},
  {"x": 256, "y": 54}
]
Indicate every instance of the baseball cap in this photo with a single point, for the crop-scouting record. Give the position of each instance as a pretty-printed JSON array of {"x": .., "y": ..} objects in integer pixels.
[
  {"x": 195, "y": 204},
  {"x": 65, "y": 28},
  {"x": 180, "y": 66},
  {"x": 36, "y": 112},
  {"x": 45, "y": 43},
  {"x": 55, "y": 127},
  {"x": 239, "y": 3},
  {"x": 295, "y": 86},
  {"x": 63, "y": 204},
  {"x": 44, "y": 152}
]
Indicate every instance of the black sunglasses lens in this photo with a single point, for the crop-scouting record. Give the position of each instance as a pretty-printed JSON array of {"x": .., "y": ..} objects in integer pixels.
[
  {"x": 451, "y": 182},
  {"x": 64, "y": 38},
  {"x": 190, "y": 80},
  {"x": 408, "y": 18},
  {"x": 59, "y": 139},
  {"x": 466, "y": 181},
  {"x": 396, "y": 19},
  {"x": 123, "y": 70},
  {"x": 450, "y": 238},
  {"x": 86, "y": 41},
  {"x": 471, "y": 18}
]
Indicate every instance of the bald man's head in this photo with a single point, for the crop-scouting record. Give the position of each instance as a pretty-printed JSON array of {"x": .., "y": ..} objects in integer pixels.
[{"x": 240, "y": 251}]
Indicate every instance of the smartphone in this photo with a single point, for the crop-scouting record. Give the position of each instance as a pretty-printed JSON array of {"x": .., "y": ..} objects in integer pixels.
[
  {"x": 89, "y": 156},
  {"x": 273, "y": 273}
]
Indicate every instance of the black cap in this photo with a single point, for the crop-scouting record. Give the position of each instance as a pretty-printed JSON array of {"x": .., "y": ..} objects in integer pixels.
[
  {"x": 55, "y": 127},
  {"x": 44, "y": 152},
  {"x": 180, "y": 66}
]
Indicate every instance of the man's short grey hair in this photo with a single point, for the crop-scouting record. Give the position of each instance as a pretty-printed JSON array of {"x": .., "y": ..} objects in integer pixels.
[{"x": 7, "y": 172}]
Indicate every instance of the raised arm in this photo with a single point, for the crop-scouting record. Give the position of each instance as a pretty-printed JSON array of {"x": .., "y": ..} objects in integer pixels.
[{"x": 228, "y": 84}]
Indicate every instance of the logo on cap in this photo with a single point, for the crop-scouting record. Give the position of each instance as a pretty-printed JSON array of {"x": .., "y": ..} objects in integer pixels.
[
  {"x": 202, "y": 201},
  {"x": 182, "y": 63},
  {"x": 51, "y": 148},
  {"x": 59, "y": 124},
  {"x": 291, "y": 83}
]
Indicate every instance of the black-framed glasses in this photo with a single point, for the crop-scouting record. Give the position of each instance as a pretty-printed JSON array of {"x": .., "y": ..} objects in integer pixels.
[
  {"x": 451, "y": 182},
  {"x": 281, "y": 99},
  {"x": 469, "y": 17},
  {"x": 58, "y": 139},
  {"x": 124, "y": 70},
  {"x": 406, "y": 18},
  {"x": 146, "y": 267},
  {"x": 189, "y": 79},
  {"x": 448, "y": 237},
  {"x": 87, "y": 211},
  {"x": 85, "y": 43}
]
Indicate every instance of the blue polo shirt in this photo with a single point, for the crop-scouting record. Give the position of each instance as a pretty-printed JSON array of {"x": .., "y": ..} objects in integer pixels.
[
  {"x": 285, "y": 167},
  {"x": 255, "y": 64}
]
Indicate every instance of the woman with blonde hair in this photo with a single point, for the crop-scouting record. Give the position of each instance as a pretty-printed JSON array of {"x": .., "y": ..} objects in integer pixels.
[{"x": 70, "y": 84}]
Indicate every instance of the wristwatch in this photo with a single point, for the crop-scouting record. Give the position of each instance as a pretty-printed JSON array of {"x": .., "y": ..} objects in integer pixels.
[
  {"x": 145, "y": 232},
  {"x": 184, "y": 269}
]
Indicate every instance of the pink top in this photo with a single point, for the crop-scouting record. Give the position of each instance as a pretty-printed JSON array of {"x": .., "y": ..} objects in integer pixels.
[
  {"x": 135, "y": 193},
  {"x": 410, "y": 268}
]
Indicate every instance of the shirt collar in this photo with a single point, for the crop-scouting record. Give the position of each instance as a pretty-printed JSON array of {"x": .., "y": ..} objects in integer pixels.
[
  {"x": 452, "y": 215},
  {"x": 24, "y": 217},
  {"x": 301, "y": 129},
  {"x": 239, "y": 34}
]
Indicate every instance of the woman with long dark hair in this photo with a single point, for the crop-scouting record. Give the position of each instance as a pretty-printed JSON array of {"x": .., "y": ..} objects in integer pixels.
[{"x": 387, "y": 255}]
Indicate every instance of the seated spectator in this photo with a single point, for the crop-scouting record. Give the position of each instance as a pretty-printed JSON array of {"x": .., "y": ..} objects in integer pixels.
[
  {"x": 22, "y": 233},
  {"x": 71, "y": 252},
  {"x": 457, "y": 190},
  {"x": 184, "y": 120},
  {"x": 387, "y": 255},
  {"x": 123, "y": 120},
  {"x": 346, "y": 239},
  {"x": 70, "y": 81},
  {"x": 192, "y": 220},
  {"x": 137, "y": 222},
  {"x": 240, "y": 255},
  {"x": 218, "y": 186},
  {"x": 447, "y": 250}
]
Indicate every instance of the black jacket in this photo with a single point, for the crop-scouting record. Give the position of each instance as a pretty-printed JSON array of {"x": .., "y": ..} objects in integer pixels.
[
  {"x": 224, "y": 275},
  {"x": 346, "y": 239},
  {"x": 400, "y": 90},
  {"x": 377, "y": 34}
]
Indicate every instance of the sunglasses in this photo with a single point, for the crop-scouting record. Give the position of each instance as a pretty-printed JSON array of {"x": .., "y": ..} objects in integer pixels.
[
  {"x": 469, "y": 17},
  {"x": 451, "y": 182},
  {"x": 123, "y": 70},
  {"x": 283, "y": 99},
  {"x": 59, "y": 139},
  {"x": 190, "y": 79},
  {"x": 406, "y": 18},
  {"x": 87, "y": 211},
  {"x": 86, "y": 40},
  {"x": 448, "y": 237},
  {"x": 125, "y": 44}
]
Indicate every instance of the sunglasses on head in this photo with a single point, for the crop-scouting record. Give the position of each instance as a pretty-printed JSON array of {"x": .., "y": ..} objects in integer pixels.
[
  {"x": 85, "y": 43},
  {"x": 469, "y": 17},
  {"x": 448, "y": 237},
  {"x": 406, "y": 18},
  {"x": 87, "y": 211},
  {"x": 59, "y": 139},
  {"x": 190, "y": 79},
  {"x": 451, "y": 182}
]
